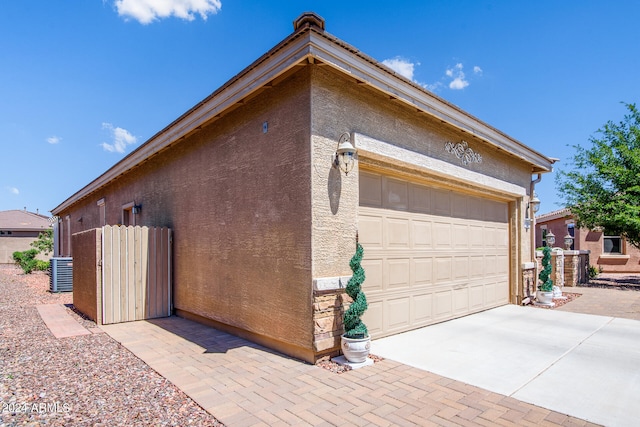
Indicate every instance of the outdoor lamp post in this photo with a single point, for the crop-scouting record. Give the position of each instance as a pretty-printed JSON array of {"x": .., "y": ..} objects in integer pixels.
[
  {"x": 551, "y": 239},
  {"x": 568, "y": 241}
]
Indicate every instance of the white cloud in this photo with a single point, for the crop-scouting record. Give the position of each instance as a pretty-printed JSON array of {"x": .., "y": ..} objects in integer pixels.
[
  {"x": 147, "y": 11},
  {"x": 477, "y": 70},
  {"x": 401, "y": 66},
  {"x": 458, "y": 77},
  {"x": 13, "y": 190},
  {"x": 120, "y": 139},
  {"x": 54, "y": 139}
]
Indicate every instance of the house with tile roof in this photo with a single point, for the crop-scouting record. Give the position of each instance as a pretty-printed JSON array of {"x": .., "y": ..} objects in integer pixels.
[
  {"x": 18, "y": 229},
  {"x": 608, "y": 253}
]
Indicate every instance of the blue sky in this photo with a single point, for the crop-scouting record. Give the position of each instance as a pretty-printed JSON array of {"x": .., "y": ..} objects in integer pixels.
[{"x": 83, "y": 83}]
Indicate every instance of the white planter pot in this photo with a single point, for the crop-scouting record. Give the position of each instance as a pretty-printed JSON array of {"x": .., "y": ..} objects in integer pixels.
[
  {"x": 545, "y": 298},
  {"x": 356, "y": 350}
]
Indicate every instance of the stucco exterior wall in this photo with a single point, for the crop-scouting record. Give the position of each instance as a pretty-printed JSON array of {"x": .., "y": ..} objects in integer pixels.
[
  {"x": 238, "y": 199},
  {"x": 18, "y": 243},
  {"x": 340, "y": 105}
]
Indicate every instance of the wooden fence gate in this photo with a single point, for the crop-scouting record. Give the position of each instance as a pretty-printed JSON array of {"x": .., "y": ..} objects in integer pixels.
[{"x": 136, "y": 273}]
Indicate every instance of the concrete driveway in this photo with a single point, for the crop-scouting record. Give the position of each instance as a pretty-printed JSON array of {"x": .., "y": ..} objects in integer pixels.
[{"x": 581, "y": 365}]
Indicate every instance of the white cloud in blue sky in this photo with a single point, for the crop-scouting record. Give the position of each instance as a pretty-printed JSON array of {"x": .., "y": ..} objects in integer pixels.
[
  {"x": 13, "y": 190},
  {"x": 455, "y": 75},
  {"x": 147, "y": 11},
  {"x": 54, "y": 139},
  {"x": 401, "y": 66},
  {"x": 120, "y": 139}
]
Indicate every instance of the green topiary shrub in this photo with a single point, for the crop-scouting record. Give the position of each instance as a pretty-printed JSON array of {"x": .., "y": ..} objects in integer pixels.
[
  {"x": 353, "y": 326},
  {"x": 546, "y": 284}
]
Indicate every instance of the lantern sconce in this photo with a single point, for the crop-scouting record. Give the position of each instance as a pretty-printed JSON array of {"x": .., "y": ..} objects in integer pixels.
[
  {"x": 135, "y": 209},
  {"x": 532, "y": 209},
  {"x": 345, "y": 155}
]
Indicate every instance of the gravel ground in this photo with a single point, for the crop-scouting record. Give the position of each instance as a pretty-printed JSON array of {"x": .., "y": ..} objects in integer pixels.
[{"x": 88, "y": 380}]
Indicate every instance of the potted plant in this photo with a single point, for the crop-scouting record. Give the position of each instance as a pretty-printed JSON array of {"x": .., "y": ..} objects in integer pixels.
[
  {"x": 544, "y": 295},
  {"x": 356, "y": 341}
]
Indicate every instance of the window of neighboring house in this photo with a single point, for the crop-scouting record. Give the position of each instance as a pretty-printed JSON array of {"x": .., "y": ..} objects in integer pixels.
[
  {"x": 102, "y": 207},
  {"x": 128, "y": 218},
  {"x": 612, "y": 245},
  {"x": 571, "y": 231},
  {"x": 543, "y": 228}
]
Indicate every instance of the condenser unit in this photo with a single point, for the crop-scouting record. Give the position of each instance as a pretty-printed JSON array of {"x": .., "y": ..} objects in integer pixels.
[{"x": 61, "y": 274}]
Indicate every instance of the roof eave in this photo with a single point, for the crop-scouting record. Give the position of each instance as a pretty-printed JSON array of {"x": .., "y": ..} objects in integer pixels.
[{"x": 310, "y": 43}]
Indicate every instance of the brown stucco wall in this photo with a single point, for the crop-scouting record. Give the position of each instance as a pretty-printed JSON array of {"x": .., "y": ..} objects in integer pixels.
[
  {"x": 87, "y": 294},
  {"x": 238, "y": 200}
]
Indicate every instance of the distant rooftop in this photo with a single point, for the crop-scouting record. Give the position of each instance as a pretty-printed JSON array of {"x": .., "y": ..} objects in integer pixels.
[
  {"x": 560, "y": 213},
  {"x": 22, "y": 220}
]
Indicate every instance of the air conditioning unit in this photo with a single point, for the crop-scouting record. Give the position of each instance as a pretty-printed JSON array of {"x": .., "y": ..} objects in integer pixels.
[{"x": 61, "y": 274}]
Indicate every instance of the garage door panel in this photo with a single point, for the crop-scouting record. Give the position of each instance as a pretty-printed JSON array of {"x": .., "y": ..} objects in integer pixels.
[
  {"x": 461, "y": 300},
  {"x": 442, "y": 269},
  {"x": 435, "y": 256},
  {"x": 459, "y": 206},
  {"x": 423, "y": 271},
  {"x": 442, "y": 235},
  {"x": 460, "y": 267},
  {"x": 395, "y": 194},
  {"x": 399, "y": 270},
  {"x": 397, "y": 232},
  {"x": 422, "y": 234},
  {"x": 422, "y": 309},
  {"x": 373, "y": 270},
  {"x": 373, "y": 318},
  {"x": 460, "y": 236},
  {"x": 370, "y": 189},
  {"x": 442, "y": 203},
  {"x": 370, "y": 231},
  {"x": 399, "y": 309},
  {"x": 476, "y": 297},
  {"x": 420, "y": 199},
  {"x": 443, "y": 304}
]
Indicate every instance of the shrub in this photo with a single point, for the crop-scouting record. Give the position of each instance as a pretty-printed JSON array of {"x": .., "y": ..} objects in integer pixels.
[
  {"x": 26, "y": 260},
  {"x": 353, "y": 326},
  {"x": 546, "y": 284},
  {"x": 594, "y": 271},
  {"x": 42, "y": 265}
]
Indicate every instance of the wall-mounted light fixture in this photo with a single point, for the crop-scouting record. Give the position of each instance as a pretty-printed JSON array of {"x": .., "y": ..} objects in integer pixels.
[
  {"x": 532, "y": 209},
  {"x": 344, "y": 157},
  {"x": 135, "y": 209}
]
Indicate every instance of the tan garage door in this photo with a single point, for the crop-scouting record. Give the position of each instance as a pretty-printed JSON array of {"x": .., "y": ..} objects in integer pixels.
[{"x": 430, "y": 254}]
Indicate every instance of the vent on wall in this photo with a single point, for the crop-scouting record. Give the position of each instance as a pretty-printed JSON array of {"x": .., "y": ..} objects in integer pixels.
[{"x": 61, "y": 274}]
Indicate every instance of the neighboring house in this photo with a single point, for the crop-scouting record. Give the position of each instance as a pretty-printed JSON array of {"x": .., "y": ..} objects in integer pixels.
[
  {"x": 18, "y": 229},
  {"x": 610, "y": 253},
  {"x": 264, "y": 225}
]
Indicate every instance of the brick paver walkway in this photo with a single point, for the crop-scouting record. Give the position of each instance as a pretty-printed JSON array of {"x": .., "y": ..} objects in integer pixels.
[
  {"x": 604, "y": 302},
  {"x": 243, "y": 384},
  {"x": 59, "y": 322}
]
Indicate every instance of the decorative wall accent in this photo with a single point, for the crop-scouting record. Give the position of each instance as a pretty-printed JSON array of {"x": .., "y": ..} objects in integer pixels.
[{"x": 462, "y": 151}]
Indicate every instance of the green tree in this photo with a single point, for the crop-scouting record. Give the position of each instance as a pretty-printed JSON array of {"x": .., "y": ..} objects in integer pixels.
[
  {"x": 603, "y": 188},
  {"x": 44, "y": 244}
]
